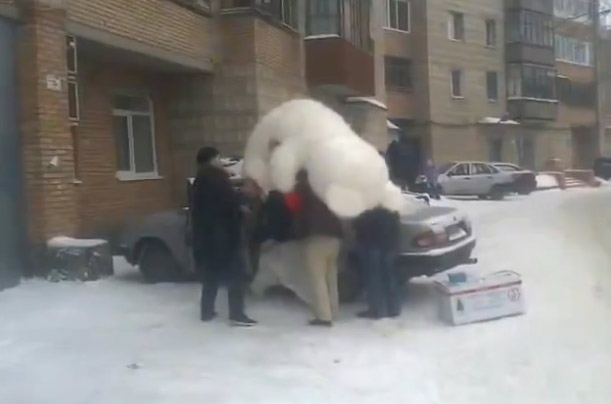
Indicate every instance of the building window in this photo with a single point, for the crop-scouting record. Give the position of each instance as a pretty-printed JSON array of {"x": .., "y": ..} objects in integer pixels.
[
  {"x": 73, "y": 99},
  {"x": 528, "y": 81},
  {"x": 576, "y": 10},
  {"x": 456, "y": 83},
  {"x": 323, "y": 17},
  {"x": 492, "y": 86},
  {"x": 346, "y": 18},
  {"x": 575, "y": 94},
  {"x": 398, "y": 15},
  {"x": 134, "y": 134},
  {"x": 398, "y": 73},
  {"x": 572, "y": 50},
  {"x": 530, "y": 27},
  {"x": 456, "y": 26},
  {"x": 283, "y": 11},
  {"x": 491, "y": 33}
]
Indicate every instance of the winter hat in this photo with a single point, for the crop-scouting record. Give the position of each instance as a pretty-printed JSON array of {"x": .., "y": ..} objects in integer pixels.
[{"x": 206, "y": 154}]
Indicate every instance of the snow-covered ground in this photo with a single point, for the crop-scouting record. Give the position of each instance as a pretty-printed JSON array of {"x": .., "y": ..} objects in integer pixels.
[{"x": 120, "y": 341}]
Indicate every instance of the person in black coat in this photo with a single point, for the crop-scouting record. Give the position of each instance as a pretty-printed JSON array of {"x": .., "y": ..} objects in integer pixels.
[
  {"x": 402, "y": 161},
  {"x": 217, "y": 219},
  {"x": 377, "y": 233}
]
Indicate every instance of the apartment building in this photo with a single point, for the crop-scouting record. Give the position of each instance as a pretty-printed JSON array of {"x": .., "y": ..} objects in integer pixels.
[
  {"x": 509, "y": 80},
  {"x": 104, "y": 102}
]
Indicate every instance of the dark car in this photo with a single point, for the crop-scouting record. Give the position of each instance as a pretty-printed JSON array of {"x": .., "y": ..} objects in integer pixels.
[
  {"x": 524, "y": 181},
  {"x": 602, "y": 168}
]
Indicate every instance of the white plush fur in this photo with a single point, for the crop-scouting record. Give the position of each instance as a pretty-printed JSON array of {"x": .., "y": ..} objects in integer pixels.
[{"x": 345, "y": 171}]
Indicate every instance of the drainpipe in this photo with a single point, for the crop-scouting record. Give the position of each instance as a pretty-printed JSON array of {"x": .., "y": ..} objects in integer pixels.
[{"x": 596, "y": 50}]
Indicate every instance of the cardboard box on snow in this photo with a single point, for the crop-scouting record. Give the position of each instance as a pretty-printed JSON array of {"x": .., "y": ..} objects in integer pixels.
[{"x": 479, "y": 299}]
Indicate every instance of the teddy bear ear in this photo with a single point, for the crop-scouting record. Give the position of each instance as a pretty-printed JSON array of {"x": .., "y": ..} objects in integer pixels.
[{"x": 346, "y": 203}]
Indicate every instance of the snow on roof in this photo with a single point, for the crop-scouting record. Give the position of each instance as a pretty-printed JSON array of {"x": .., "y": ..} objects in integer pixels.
[
  {"x": 491, "y": 120},
  {"x": 321, "y": 36},
  {"x": 391, "y": 125},
  {"x": 368, "y": 100},
  {"x": 62, "y": 242}
]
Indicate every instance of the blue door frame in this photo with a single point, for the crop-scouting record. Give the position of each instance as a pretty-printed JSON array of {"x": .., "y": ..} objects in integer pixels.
[{"x": 11, "y": 229}]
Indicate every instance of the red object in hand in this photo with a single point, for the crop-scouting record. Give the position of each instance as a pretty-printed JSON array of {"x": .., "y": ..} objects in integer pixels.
[{"x": 293, "y": 201}]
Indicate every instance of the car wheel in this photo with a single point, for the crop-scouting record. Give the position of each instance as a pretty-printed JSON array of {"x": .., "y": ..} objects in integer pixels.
[
  {"x": 497, "y": 193},
  {"x": 524, "y": 191},
  {"x": 482, "y": 197},
  {"x": 157, "y": 264}
]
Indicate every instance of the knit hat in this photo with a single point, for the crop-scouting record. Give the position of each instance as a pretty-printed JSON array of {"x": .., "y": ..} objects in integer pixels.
[{"x": 206, "y": 154}]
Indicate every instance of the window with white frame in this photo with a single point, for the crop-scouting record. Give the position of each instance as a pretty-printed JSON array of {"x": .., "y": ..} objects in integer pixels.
[
  {"x": 573, "y": 50},
  {"x": 576, "y": 10},
  {"x": 456, "y": 83},
  {"x": 134, "y": 134},
  {"x": 456, "y": 26},
  {"x": 491, "y": 33},
  {"x": 398, "y": 15}
]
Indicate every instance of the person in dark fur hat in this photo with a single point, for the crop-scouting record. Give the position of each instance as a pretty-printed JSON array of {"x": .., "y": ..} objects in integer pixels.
[{"x": 217, "y": 237}]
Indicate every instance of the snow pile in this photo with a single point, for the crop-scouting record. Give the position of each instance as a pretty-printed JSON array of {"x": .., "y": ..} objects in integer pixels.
[
  {"x": 69, "y": 242},
  {"x": 122, "y": 341},
  {"x": 546, "y": 181},
  {"x": 233, "y": 165},
  {"x": 345, "y": 171}
]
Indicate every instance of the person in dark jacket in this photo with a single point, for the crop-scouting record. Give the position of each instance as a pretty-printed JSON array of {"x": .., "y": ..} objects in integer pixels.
[
  {"x": 218, "y": 250},
  {"x": 376, "y": 234},
  {"x": 402, "y": 162},
  {"x": 321, "y": 231}
]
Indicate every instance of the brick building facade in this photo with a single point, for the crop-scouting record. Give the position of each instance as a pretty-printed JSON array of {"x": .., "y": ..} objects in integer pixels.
[{"x": 115, "y": 97}]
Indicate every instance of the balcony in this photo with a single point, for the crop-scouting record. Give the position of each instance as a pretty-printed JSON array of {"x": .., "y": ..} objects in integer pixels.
[
  {"x": 532, "y": 109},
  {"x": 336, "y": 66},
  {"x": 518, "y": 52},
  {"x": 540, "y": 6}
]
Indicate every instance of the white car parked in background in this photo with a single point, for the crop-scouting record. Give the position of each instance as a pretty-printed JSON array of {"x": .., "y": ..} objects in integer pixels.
[{"x": 474, "y": 178}]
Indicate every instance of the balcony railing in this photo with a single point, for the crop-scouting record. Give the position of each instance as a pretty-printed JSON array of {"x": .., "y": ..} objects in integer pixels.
[
  {"x": 196, "y": 5},
  {"x": 282, "y": 11}
]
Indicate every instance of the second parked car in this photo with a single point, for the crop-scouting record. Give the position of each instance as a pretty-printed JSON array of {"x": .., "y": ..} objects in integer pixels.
[
  {"x": 524, "y": 181},
  {"x": 475, "y": 178}
]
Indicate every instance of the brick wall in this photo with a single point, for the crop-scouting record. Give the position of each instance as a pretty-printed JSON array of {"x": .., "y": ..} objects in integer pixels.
[
  {"x": 106, "y": 203},
  {"x": 160, "y": 23},
  {"x": 280, "y": 67},
  {"x": 51, "y": 202}
]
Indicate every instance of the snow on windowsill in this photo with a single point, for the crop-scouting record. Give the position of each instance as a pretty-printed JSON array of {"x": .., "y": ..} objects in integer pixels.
[
  {"x": 517, "y": 98},
  {"x": 368, "y": 100},
  {"x": 321, "y": 36},
  {"x": 397, "y": 30},
  {"x": 64, "y": 242},
  {"x": 129, "y": 176},
  {"x": 491, "y": 120}
]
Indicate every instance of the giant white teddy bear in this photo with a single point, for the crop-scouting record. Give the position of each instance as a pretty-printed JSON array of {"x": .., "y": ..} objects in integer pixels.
[{"x": 346, "y": 172}]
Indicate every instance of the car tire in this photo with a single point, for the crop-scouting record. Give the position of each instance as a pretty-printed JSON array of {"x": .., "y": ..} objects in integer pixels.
[
  {"x": 482, "y": 197},
  {"x": 524, "y": 191},
  {"x": 157, "y": 264},
  {"x": 497, "y": 193}
]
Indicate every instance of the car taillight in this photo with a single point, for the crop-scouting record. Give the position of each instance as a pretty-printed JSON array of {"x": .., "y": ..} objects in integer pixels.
[
  {"x": 429, "y": 239},
  {"x": 425, "y": 239}
]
